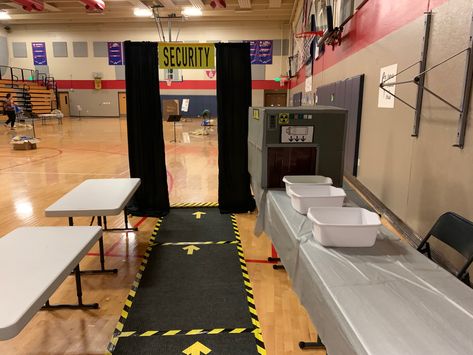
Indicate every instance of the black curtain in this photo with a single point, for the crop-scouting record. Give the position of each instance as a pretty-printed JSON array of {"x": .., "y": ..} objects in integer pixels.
[
  {"x": 233, "y": 101},
  {"x": 145, "y": 130}
]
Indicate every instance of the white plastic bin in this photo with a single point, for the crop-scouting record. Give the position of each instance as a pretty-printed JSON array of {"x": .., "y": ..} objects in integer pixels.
[
  {"x": 344, "y": 226},
  {"x": 305, "y": 180},
  {"x": 303, "y": 197}
]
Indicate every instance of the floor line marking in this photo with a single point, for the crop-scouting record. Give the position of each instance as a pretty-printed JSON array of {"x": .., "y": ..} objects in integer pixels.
[
  {"x": 258, "y": 261},
  {"x": 116, "y": 255},
  {"x": 114, "y": 245},
  {"x": 140, "y": 221}
]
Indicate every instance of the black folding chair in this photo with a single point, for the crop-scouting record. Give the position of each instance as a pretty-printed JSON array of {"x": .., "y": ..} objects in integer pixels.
[{"x": 457, "y": 232}]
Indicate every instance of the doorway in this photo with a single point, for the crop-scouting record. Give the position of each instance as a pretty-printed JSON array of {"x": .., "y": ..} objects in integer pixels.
[
  {"x": 275, "y": 99},
  {"x": 122, "y": 103},
  {"x": 64, "y": 103}
]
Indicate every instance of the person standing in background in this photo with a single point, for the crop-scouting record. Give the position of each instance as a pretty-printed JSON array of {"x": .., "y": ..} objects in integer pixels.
[{"x": 9, "y": 109}]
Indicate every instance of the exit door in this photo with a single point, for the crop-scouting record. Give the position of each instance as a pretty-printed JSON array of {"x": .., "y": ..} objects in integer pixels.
[
  {"x": 275, "y": 99},
  {"x": 122, "y": 103},
  {"x": 64, "y": 103}
]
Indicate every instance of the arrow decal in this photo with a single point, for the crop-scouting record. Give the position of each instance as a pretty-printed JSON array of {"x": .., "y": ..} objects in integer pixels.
[
  {"x": 198, "y": 214},
  {"x": 196, "y": 349},
  {"x": 191, "y": 249}
]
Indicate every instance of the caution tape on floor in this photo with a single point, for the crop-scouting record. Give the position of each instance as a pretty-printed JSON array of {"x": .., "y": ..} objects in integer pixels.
[
  {"x": 194, "y": 204},
  {"x": 249, "y": 290},
  {"x": 134, "y": 287},
  {"x": 198, "y": 243},
  {"x": 214, "y": 331}
]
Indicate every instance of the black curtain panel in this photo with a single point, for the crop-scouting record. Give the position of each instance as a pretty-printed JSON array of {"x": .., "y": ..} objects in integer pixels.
[
  {"x": 145, "y": 130},
  {"x": 233, "y": 101}
]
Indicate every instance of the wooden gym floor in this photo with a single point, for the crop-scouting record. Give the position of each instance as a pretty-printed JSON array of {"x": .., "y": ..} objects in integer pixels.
[{"x": 97, "y": 148}]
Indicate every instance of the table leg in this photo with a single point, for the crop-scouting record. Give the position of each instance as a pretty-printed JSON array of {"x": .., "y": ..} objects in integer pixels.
[
  {"x": 274, "y": 258},
  {"x": 102, "y": 269},
  {"x": 279, "y": 267},
  {"x": 126, "y": 229},
  {"x": 312, "y": 345},
  {"x": 80, "y": 304},
  {"x": 125, "y": 217}
]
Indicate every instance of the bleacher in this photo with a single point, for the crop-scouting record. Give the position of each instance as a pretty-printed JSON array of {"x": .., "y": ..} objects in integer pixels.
[{"x": 42, "y": 99}]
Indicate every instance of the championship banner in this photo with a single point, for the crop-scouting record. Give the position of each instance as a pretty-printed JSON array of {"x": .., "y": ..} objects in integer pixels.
[{"x": 186, "y": 55}]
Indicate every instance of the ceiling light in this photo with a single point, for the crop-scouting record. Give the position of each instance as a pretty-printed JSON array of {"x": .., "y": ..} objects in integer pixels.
[
  {"x": 191, "y": 11},
  {"x": 142, "y": 12},
  {"x": 4, "y": 15}
]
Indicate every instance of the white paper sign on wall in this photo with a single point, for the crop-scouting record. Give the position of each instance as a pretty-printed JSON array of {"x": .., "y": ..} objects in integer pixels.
[
  {"x": 386, "y": 74},
  {"x": 308, "y": 84},
  {"x": 185, "y": 105}
]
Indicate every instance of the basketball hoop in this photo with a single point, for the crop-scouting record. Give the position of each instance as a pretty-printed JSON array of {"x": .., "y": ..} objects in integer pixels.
[{"x": 302, "y": 45}]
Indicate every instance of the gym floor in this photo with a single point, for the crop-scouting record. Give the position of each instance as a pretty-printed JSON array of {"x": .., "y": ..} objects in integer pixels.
[{"x": 97, "y": 148}]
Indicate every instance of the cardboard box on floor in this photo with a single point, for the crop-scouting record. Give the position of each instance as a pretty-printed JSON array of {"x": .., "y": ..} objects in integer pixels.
[{"x": 24, "y": 146}]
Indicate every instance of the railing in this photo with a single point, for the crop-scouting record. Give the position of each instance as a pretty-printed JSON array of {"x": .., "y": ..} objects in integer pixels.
[
  {"x": 21, "y": 75},
  {"x": 15, "y": 74}
]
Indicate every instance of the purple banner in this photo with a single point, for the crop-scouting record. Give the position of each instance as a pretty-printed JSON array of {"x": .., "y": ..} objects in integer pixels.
[
  {"x": 39, "y": 53},
  {"x": 115, "y": 56},
  {"x": 261, "y": 52}
]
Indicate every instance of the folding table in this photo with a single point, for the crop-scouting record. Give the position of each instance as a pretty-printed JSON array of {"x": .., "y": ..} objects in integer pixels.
[
  {"x": 388, "y": 299},
  {"x": 34, "y": 261},
  {"x": 97, "y": 197}
]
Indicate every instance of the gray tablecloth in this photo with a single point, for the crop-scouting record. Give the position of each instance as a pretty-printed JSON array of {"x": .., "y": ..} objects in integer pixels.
[
  {"x": 286, "y": 227},
  {"x": 388, "y": 299}
]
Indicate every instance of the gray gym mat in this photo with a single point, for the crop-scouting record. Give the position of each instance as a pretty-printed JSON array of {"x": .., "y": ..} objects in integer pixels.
[
  {"x": 181, "y": 225},
  {"x": 181, "y": 291}
]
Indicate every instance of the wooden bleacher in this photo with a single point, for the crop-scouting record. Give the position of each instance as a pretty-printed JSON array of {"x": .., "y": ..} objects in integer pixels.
[{"x": 42, "y": 99}]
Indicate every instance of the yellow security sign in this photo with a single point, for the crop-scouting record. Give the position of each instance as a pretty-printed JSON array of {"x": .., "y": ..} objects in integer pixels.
[{"x": 186, "y": 55}]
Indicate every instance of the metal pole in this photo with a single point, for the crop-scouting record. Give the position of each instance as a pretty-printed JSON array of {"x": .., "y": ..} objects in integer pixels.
[
  {"x": 465, "y": 105},
  {"x": 423, "y": 66}
]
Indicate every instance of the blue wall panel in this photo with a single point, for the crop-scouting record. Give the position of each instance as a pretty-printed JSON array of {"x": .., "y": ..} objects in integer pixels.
[{"x": 197, "y": 104}]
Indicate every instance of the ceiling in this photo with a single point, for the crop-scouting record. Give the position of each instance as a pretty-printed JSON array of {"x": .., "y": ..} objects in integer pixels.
[{"x": 73, "y": 11}]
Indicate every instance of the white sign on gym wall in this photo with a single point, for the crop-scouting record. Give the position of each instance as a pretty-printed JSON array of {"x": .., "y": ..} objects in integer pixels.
[
  {"x": 308, "y": 84},
  {"x": 386, "y": 75}
]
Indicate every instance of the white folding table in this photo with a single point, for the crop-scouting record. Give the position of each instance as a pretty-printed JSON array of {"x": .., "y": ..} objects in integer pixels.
[
  {"x": 97, "y": 197},
  {"x": 387, "y": 299},
  {"x": 45, "y": 116},
  {"x": 34, "y": 261}
]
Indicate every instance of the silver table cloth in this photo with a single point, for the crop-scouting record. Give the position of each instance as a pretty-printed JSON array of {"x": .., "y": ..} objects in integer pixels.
[{"x": 387, "y": 299}]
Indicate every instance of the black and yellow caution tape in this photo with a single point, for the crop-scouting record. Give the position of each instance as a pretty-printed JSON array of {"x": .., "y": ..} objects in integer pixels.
[
  {"x": 235, "y": 228},
  {"x": 256, "y": 330},
  {"x": 197, "y": 243},
  {"x": 214, "y": 331},
  {"x": 195, "y": 204},
  {"x": 249, "y": 290},
  {"x": 134, "y": 288}
]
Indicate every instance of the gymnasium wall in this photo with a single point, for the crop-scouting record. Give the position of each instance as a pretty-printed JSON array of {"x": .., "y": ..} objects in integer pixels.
[
  {"x": 3, "y": 49},
  {"x": 417, "y": 178},
  {"x": 74, "y": 72}
]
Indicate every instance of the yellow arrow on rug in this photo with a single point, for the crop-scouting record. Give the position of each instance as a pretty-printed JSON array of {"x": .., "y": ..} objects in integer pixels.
[
  {"x": 191, "y": 249},
  {"x": 196, "y": 349},
  {"x": 198, "y": 214}
]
